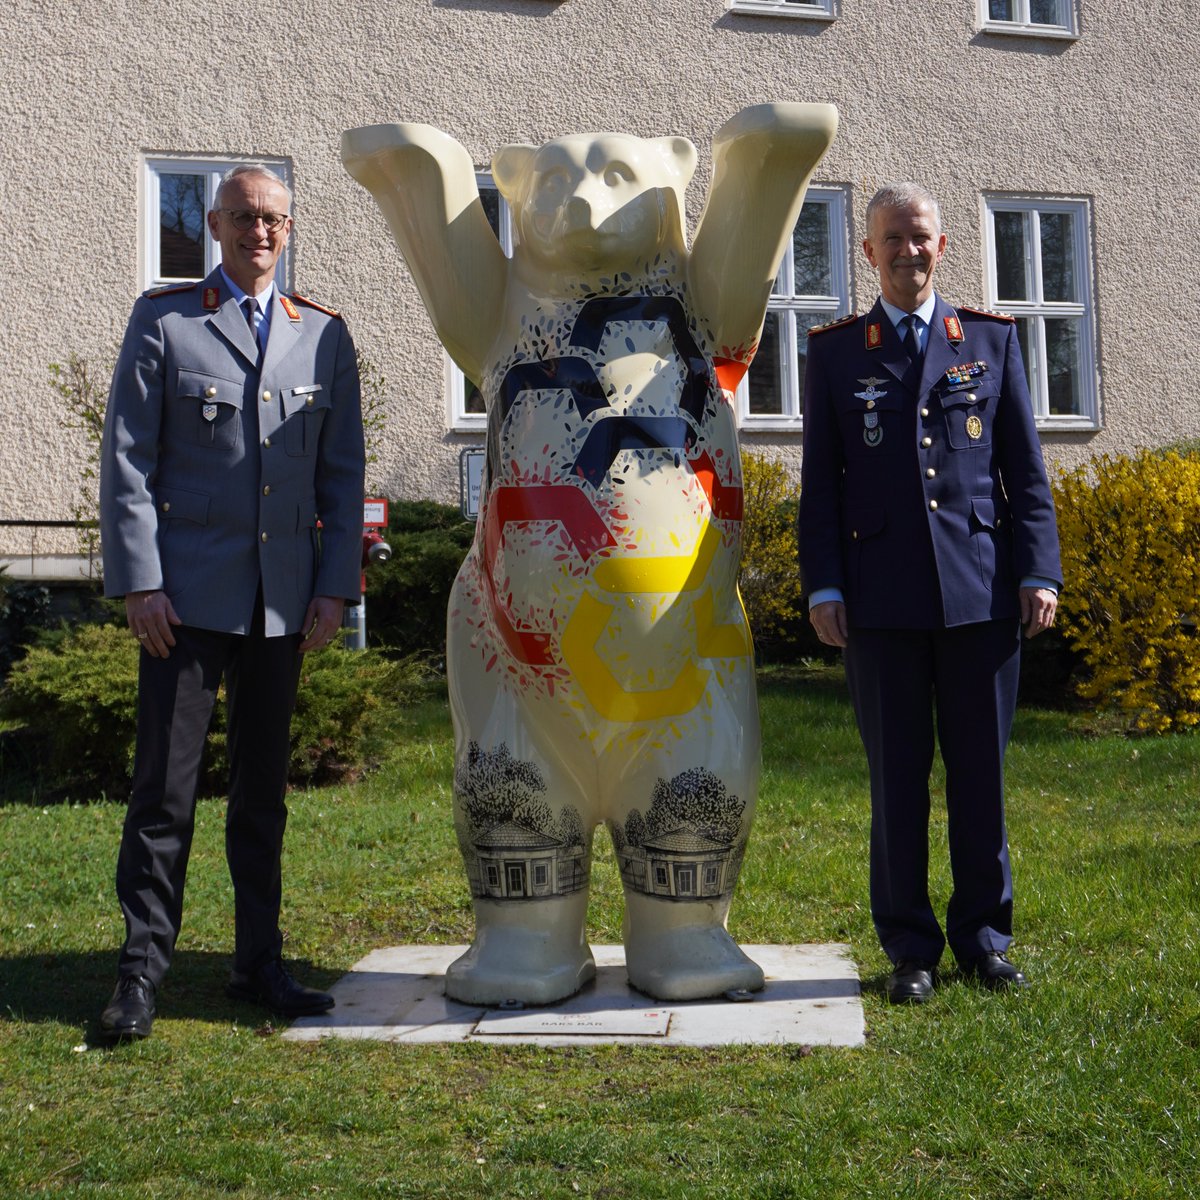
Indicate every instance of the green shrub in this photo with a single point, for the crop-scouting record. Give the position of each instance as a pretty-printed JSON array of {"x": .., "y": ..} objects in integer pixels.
[
  {"x": 1130, "y": 530},
  {"x": 24, "y": 609},
  {"x": 407, "y": 597},
  {"x": 76, "y": 702}
]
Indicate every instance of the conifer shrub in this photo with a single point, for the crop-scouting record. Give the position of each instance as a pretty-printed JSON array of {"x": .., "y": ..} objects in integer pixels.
[
  {"x": 1130, "y": 532},
  {"x": 407, "y": 597},
  {"x": 74, "y": 701}
]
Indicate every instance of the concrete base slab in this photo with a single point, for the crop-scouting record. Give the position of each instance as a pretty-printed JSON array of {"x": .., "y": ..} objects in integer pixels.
[{"x": 397, "y": 995}]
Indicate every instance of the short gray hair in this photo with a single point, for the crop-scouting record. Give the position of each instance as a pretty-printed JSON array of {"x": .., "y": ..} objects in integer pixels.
[
  {"x": 251, "y": 169},
  {"x": 903, "y": 195}
]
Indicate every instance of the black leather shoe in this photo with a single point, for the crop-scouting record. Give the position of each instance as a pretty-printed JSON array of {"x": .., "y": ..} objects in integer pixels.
[
  {"x": 130, "y": 1012},
  {"x": 272, "y": 987},
  {"x": 911, "y": 982},
  {"x": 995, "y": 972}
]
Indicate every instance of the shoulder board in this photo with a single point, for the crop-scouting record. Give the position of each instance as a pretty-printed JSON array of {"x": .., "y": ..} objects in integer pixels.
[
  {"x": 833, "y": 324},
  {"x": 986, "y": 312},
  {"x": 169, "y": 288},
  {"x": 329, "y": 312}
]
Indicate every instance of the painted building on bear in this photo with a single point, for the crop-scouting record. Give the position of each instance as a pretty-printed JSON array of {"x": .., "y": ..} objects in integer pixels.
[{"x": 1057, "y": 134}]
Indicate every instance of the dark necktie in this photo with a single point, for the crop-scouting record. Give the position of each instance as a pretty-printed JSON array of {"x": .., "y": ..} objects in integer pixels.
[
  {"x": 254, "y": 319},
  {"x": 912, "y": 339}
]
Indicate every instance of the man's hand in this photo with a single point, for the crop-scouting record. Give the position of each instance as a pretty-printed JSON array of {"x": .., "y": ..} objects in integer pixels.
[
  {"x": 1037, "y": 610},
  {"x": 150, "y": 616},
  {"x": 322, "y": 621},
  {"x": 829, "y": 620}
]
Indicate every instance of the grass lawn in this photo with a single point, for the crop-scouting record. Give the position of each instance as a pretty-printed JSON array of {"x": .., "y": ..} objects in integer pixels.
[{"x": 1087, "y": 1086}]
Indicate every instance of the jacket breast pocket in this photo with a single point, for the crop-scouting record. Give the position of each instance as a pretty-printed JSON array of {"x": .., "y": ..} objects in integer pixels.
[
  {"x": 970, "y": 413},
  {"x": 874, "y": 427},
  {"x": 210, "y": 409},
  {"x": 304, "y": 410}
]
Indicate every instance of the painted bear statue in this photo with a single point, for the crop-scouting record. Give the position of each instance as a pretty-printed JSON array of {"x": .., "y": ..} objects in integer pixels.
[{"x": 600, "y": 662}]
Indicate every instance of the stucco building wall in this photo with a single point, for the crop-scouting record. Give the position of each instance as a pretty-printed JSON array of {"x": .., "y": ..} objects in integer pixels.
[{"x": 922, "y": 92}]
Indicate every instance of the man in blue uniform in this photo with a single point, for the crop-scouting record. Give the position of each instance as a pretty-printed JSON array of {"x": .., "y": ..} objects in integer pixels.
[
  {"x": 233, "y": 427},
  {"x": 927, "y": 545}
]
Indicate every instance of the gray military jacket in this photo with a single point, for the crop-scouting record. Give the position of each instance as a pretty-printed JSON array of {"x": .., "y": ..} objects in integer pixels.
[{"x": 214, "y": 476}]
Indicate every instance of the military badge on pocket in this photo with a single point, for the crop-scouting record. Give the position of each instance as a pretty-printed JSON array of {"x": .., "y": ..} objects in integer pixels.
[{"x": 872, "y": 433}]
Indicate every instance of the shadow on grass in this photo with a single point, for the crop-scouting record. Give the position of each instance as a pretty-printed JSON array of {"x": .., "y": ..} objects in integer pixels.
[{"x": 71, "y": 988}]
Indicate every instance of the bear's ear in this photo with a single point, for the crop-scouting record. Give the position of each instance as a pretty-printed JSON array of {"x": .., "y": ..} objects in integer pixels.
[
  {"x": 680, "y": 155},
  {"x": 510, "y": 169}
]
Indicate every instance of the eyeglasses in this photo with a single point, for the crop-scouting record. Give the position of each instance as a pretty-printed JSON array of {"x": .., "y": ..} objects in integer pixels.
[{"x": 243, "y": 219}]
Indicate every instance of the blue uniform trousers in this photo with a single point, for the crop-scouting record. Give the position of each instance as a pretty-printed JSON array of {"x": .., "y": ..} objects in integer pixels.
[{"x": 898, "y": 678}]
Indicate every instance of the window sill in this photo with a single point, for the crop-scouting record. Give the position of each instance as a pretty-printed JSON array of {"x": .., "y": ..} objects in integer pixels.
[
  {"x": 764, "y": 8},
  {"x": 1012, "y": 29},
  {"x": 1060, "y": 424},
  {"x": 769, "y": 424}
]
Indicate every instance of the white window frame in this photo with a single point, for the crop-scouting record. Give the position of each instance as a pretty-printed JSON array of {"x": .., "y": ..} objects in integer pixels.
[
  {"x": 807, "y": 10},
  {"x": 459, "y": 419},
  {"x": 1038, "y": 309},
  {"x": 1022, "y": 26},
  {"x": 831, "y": 307},
  {"x": 213, "y": 168}
]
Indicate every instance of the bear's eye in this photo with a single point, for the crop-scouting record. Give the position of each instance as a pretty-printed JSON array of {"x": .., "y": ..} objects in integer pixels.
[
  {"x": 617, "y": 173},
  {"x": 553, "y": 182}
]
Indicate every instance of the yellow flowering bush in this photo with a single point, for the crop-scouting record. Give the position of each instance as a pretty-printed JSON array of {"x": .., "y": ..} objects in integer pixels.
[
  {"x": 1130, "y": 531},
  {"x": 770, "y": 574}
]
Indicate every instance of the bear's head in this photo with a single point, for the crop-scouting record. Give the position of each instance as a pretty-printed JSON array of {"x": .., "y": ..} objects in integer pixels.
[{"x": 595, "y": 201}]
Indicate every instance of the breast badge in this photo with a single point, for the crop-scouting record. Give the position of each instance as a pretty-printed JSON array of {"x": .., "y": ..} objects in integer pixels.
[
  {"x": 974, "y": 428},
  {"x": 872, "y": 433}
]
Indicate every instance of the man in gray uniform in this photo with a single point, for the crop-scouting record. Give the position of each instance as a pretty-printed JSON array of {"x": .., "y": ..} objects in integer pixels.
[{"x": 233, "y": 427}]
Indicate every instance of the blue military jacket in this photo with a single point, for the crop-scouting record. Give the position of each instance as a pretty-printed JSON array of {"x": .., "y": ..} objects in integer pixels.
[
  {"x": 214, "y": 474},
  {"x": 924, "y": 498}
]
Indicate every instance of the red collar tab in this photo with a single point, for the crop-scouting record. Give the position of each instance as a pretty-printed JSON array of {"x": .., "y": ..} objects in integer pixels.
[
  {"x": 211, "y": 299},
  {"x": 288, "y": 307},
  {"x": 874, "y": 335},
  {"x": 954, "y": 329}
]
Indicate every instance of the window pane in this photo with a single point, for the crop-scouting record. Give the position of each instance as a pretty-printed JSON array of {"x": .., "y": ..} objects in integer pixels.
[
  {"x": 766, "y": 394},
  {"x": 812, "y": 251},
  {"x": 1048, "y": 12},
  {"x": 1058, "y": 262},
  {"x": 472, "y": 398},
  {"x": 805, "y": 322},
  {"x": 489, "y": 197},
  {"x": 181, "y": 226},
  {"x": 1000, "y": 10},
  {"x": 1025, "y": 341},
  {"x": 1063, "y": 369},
  {"x": 1011, "y": 279}
]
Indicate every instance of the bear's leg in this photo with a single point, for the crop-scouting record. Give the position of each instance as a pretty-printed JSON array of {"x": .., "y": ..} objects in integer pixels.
[
  {"x": 534, "y": 952},
  {"x": 681, "y": 950},
  {"x": 527, "y": 851},
  {"x": 682, "y": 823}
]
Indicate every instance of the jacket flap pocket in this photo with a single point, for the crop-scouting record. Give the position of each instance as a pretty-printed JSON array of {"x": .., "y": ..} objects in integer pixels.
[
  {"x": 983, "y": 509},
  {"x": 306, "y": 513},
  {"x": 865, "y": 522},
  {"x": 978, "y": 391},
  {"x": 182, "y": 505},
  {"x": 210, "y": 389},
  {"x": 305, "y": 398}
]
